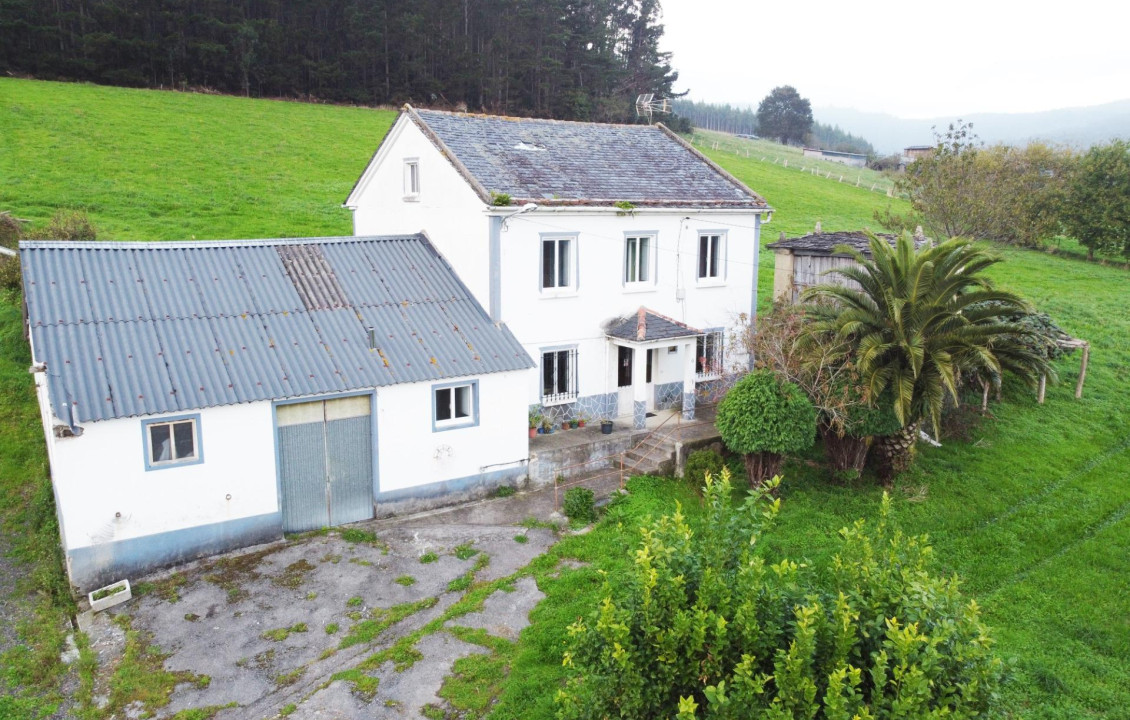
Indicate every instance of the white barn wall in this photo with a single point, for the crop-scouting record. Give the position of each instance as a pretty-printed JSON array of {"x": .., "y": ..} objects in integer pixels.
[
  {"x": 102, "y": 474},
  {"x": 116, "y": 516},
  {"x": 416, "y": 463}
]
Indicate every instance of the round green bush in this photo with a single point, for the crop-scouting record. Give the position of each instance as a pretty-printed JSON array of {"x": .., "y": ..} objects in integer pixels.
[
  {"x": 579, "y": 505},
  {"x": 763, "y": 417}
]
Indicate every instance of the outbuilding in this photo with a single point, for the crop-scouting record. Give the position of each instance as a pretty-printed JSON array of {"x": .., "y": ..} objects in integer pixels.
[
  {"x": 801, "y": 262},
  {"x": 203, "y": 396}
]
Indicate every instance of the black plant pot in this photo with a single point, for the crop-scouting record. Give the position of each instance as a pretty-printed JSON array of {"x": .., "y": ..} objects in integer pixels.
[{"x": 606, "y": 427}]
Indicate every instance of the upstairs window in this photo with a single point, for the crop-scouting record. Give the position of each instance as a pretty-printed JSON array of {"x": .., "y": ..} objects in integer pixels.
[
  {"x": 710, "y": 257},
  {"x": 411, "y": 179},
  {"x": 454, "y": 406},
  {"x": 708, "y": 355},
  {"x": 558, "y": 376},
  {"x": 557, "y": 262},
  {"x": 172, "y": 441},
  {"x": 638, "y": 254}
]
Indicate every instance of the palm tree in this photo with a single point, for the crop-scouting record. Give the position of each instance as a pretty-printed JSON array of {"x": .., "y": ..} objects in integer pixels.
[{"x": 915, "y": 319}]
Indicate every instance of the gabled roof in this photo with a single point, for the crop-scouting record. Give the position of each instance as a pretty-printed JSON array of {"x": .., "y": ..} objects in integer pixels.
[
  {"x": 821, "y": 243},
  {"x": 554, "y": 162},
  {"x": 142, "y": 328},
  {"x": 647, "y": 325}
]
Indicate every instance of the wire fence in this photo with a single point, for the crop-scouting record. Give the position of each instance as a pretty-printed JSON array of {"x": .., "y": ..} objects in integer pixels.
[{"x": 827, "y": 170}]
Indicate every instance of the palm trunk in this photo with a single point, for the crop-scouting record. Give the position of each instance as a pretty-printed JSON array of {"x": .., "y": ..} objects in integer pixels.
[{"x": 894, "y": 453}]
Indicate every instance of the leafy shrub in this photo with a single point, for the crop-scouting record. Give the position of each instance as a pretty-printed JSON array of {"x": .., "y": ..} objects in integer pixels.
[
  {"x": 763, "y": 417},
  {"x": 68, "y": 225},
  {"x": 701, "y": 462},
  {"x": 704, "y": 625},
  {"x": 579, "y": 505}
]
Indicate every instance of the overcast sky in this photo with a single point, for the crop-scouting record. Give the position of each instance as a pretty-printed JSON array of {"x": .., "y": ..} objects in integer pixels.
[{"x": 908, "y": 58}]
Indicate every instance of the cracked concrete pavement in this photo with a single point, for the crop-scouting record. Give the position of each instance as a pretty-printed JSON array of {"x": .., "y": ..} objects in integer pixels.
[{"x": 228, "y": 618}]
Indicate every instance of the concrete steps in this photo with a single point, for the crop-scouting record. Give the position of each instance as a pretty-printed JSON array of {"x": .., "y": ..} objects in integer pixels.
[{"x": 648, "y": 458}]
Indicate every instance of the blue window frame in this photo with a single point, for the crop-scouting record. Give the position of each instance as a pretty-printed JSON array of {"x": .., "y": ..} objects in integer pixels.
[
  {"x": 455, "y": 405},
  {"x": 171, "y": 442}
]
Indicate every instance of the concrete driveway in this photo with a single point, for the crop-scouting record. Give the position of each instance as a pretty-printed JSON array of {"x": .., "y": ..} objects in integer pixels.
[{"x": 265, "y": 632}]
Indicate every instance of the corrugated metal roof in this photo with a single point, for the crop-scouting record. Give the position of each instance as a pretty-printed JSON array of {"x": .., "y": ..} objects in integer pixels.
[
  {"x": 824, "y": 243},
  {"x": 143, "y": 328},
  {"x": 560, "y": 162}
]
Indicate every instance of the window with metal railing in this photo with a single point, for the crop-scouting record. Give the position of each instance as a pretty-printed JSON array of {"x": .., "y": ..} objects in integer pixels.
[
  {"x": 559, "y": 376},
  {"x": 708, "y": 356}
]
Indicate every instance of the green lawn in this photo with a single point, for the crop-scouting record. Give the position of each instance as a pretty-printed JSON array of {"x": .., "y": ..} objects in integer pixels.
[{"x": 1031, "y": 510}]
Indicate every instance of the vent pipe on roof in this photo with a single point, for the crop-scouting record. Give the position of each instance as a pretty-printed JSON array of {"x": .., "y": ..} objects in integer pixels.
[{"x": 372, "y": 334}]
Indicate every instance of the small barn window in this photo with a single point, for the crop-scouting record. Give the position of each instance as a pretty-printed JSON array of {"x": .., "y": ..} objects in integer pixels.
[
  {"x": 411, "y": 179},
  {"x": 172, "y": 442},
  {"x": 455, "y": 406}
]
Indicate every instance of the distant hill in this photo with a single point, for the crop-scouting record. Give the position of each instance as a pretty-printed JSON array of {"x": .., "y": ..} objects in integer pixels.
[{"x": 1079, "y": 127}]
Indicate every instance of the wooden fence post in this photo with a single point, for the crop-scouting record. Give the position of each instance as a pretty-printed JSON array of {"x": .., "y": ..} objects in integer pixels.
[{"x": 1082, "y": 371}]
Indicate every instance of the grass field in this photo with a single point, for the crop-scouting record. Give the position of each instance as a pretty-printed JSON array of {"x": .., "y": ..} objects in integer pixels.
[{"x": 1030, "y": 510}]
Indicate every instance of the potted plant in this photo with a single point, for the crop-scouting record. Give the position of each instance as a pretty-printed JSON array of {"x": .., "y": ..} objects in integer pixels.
[
  {"x": 546, "y": 427},
  {"x": 564, "y": 424},
  {"x": 535, "y": 423},
  {"x": 606, "y": 426},
  {"x": 574, "y": 423},
  {"x": 581, "y": 421}
]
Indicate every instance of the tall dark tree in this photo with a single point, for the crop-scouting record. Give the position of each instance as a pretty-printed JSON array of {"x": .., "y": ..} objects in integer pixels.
[
  {"x": 579, "y": 59},
  {"x": 784, "y": 115}
]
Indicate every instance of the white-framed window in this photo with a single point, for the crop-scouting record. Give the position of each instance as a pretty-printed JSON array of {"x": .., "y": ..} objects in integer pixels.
[
  {"x": 455, "y": 405},
  {"x": 411, "y": 179},
  {"x": 708, "y": 355},
  {"x": 711, "y": 256},
  {"x": 558, "y": 376},
  {"x": 639, "y": 260},
  {"x": 558, "y": 258},
  {"x": 171, "y": 442}
]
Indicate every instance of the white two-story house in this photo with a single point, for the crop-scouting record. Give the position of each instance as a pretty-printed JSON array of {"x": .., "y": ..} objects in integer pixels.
[{"x": 618, "y": 255}]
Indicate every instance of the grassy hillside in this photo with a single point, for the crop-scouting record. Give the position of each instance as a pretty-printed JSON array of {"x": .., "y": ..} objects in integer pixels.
[
  {"x": 162, "y": 166},
  {"x": 1031, "y": 509}
]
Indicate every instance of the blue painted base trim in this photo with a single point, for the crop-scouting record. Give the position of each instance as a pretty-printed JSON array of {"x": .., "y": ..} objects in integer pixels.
[
  {"x": 688, "y": 405},
  {"x": 447, "y": 492},
  {"x": 98, "y": 565}
]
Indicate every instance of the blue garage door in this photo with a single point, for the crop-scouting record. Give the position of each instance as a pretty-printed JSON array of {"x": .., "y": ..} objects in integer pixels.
[{"x": 326, "y": 462}]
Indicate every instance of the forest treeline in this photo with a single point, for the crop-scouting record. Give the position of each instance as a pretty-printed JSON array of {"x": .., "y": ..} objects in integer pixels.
[
  {"x": 578, "y": 59},
  {"x": 740, "y": 120}
]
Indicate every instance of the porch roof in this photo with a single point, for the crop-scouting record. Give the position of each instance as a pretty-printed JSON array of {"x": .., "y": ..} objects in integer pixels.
[{"x": 647, "y": 326}]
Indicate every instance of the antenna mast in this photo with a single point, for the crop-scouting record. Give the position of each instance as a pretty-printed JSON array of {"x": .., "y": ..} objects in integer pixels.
[{"x": 647, "y": 106}]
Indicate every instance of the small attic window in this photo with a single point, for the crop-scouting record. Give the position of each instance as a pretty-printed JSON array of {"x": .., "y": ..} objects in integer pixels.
[
  {"x": 411, "y": 179},
  {"x": 529, "y": 147}
]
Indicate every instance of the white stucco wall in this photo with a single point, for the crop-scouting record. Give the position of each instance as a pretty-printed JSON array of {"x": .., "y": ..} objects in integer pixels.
[
  {"x": 541, "y": 319},
  {"x": 447, "y": 209},
  {"x": 105, "y": 494},
  {"x": 411, "y": 454}
]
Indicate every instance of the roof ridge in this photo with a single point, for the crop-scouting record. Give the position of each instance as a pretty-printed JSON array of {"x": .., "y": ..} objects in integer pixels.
[
  {"x": 189, "y": 244},
  {"x": 517, "y": 118}
]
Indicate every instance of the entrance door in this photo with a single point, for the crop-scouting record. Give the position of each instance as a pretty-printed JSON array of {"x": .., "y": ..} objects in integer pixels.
[
  {"x": 626, "y": 398},
  {"x": 325, "y": 462}
]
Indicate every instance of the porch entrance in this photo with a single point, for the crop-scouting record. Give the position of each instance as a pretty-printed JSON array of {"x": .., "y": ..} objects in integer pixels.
[
  {"x": 624, "y": 380},
  {"x": 325, "y": 451}
]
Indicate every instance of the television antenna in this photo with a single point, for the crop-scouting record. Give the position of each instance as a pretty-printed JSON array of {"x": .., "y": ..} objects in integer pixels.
[{"x": 647, "y": 105}]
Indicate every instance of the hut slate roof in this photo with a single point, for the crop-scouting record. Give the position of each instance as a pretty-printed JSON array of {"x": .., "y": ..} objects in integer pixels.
[
  {"x": 647, "y": 325},
  {"x": 554, "y": 162},
  {"x": 130, "y": 329},
  {"x": 825, "y": 243}
]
